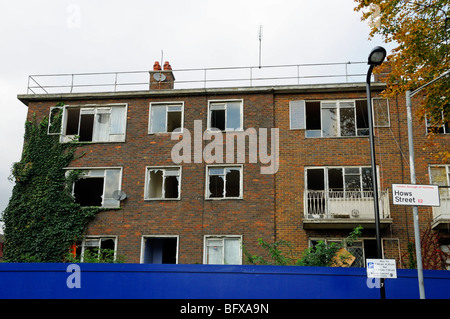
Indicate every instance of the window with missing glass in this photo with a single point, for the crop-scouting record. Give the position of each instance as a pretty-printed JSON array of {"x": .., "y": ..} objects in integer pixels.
[
  {"x": 341, "y": 181},
  {"x": 99, "y": 248},
  {"x": 225, "y": 115},
  {"x": 337, "y": 118},
  {"x": 163, "y": 183},
  {"x": 89, "y": 123},
  {"x": 224, "y": 182},
  {"x": 96, "y": 187}
]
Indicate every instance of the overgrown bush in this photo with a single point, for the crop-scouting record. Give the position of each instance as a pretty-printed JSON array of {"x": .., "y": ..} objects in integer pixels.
[{"x": 321, "y": 254}]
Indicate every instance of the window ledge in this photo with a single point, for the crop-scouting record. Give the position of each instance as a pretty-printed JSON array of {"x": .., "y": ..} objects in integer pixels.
[
  {"x": 224, "y": 198},
  {"x": 161, "y": 199},
  {"x": 337, "y": 137}
]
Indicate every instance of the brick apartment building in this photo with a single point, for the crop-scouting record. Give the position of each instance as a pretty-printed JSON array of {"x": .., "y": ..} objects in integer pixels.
[{"x": 202, "y": 212}]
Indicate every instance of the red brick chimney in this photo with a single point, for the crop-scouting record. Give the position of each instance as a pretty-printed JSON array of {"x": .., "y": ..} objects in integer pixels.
[{"x": 161, "y": 79}]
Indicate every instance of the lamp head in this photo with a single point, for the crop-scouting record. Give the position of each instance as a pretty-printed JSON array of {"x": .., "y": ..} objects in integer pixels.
[{"x": 377, "y": 56}]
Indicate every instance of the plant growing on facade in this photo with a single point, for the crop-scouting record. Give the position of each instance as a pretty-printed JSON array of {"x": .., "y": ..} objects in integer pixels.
[
  {"x": 42, "y": 220},
  {"x": 433, "y": 257},
  {"x": 320, "y": 255}
]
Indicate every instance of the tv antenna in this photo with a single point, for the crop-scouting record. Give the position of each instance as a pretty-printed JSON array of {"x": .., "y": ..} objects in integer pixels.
[{"x": 260, "y": 38}]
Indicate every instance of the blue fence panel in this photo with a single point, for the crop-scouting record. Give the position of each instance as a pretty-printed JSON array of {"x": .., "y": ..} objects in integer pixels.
[{"x": 143, "y": 281}]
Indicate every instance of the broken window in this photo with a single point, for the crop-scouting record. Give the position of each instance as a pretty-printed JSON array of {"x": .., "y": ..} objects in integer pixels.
[
  {"x": 94, "y": 124},
  {"x": 223, "y": 250},
  {"x": 225, "y": 116},
  {"x": 340, "y": 181},
  {"x": 165, "y": 118},
  {"x": 224, "y": 182},
  {"x": 55, "y": 120},
  {"x": 89, "y": 191},
  {"x": 100, "y": 248},
  {"x": 95, "y": 187},
  {"x": 160, "y": 250},
  {"x": 337, "y": 118},
  {"x": 163, "y": 183}
]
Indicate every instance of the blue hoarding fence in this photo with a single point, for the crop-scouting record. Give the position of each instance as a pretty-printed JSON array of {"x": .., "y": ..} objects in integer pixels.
[{"x": 146, "y": 281}]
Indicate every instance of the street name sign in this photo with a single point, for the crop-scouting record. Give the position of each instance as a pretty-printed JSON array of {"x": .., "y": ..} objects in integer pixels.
[{"x": 415, "y": 195}]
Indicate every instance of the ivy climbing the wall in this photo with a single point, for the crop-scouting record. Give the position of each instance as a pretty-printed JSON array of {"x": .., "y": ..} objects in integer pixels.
[{"x": 42, "y": 220}]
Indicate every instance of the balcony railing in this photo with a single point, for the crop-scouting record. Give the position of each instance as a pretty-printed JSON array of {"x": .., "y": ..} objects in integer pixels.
[
  {"x": 355, "y": 204},
  {"x": 317, "y": 73},
  {"x": 441, "y": 213}
]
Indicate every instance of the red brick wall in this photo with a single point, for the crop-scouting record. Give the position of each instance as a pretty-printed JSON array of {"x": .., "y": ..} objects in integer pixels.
[
  {"x": 272, "y": 205},
  {"x": 192, "y": 217},
  {"x": 392, "y": 157}
]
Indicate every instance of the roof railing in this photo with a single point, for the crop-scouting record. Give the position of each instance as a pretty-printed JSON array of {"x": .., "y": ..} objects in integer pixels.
[{"x": 294, "y": 74}]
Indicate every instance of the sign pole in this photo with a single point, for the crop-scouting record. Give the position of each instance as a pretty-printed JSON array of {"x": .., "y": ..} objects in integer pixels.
[{"x": 415, "y": 209}]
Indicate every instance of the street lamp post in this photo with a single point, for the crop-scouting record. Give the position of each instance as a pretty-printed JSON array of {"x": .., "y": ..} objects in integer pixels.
[{"x": 376, "y": 57}]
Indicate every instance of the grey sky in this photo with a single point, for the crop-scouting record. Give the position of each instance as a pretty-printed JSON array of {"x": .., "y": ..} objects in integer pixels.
[{"x": 70, "y": 36}]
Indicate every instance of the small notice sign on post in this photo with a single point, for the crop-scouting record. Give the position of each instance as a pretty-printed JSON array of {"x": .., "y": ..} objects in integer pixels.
[
  {"x": 381, "y": 268},
  {"x": 415, "y": 195}
]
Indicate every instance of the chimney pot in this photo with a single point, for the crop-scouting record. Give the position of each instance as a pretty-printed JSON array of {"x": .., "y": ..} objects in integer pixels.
[
  {"x": 156, "y": 66},
  {"x": 167, "y": 66}
]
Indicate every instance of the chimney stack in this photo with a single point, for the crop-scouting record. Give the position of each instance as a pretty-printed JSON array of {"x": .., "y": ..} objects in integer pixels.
[{"x": 161, "y": 79}]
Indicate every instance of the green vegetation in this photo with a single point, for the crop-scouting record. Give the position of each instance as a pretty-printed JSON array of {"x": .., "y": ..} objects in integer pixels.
[
  {"x": 321, "y": 254},
  {"x": 42, "y": 220}
]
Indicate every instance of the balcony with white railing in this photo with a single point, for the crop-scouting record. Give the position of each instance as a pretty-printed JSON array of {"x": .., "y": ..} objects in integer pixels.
[
  {"x": 441, "y": 214},
  {"x": 344, "y": 209}
]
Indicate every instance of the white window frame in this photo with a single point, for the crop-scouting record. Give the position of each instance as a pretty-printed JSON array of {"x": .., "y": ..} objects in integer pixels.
[
  {"x": 443, "y": 191},
  {"x": 220, "y": 237},
  {"x": 61, "y": 108},
  {"x": 162, "y": 168},
  {"x": 223, "y": 103},
  {"x": 167, "y": 104},
  {"x": 241, "y": 181},
  {"x": 99, "y": 238},
  {"x": 144, "y": 237},
  {"x": 326, "y": 180},
  {"x": 87, "y": 173},
  {"x": 298, "y": 107},
  {"x": 96, "y": 109}
]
